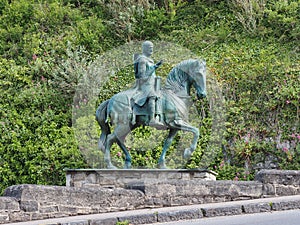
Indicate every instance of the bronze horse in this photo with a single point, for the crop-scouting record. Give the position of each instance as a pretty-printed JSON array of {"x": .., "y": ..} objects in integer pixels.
[{"x": 175, "y": 98}]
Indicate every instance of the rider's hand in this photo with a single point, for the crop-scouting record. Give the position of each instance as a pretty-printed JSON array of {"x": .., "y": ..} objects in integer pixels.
[{"x": 158, "y": 64}]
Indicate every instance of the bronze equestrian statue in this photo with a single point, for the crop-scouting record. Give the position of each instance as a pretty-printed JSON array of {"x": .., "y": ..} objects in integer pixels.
[{"x": 149, "y": 104}]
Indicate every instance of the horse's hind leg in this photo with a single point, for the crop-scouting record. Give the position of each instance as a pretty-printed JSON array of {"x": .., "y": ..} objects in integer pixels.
[
  {"x": 121, "y": 132},
  {"x": 111, "y": 138},
  {"x": 127, "y": 164},
  {"x": 167, "y": 144}
]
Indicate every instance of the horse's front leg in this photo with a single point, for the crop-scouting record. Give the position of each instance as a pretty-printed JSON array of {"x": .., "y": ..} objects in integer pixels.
[
  {"x": 187, "y": 127},
  {"x": 188, "y": 151},
  {"x": 167, "y": 144}
]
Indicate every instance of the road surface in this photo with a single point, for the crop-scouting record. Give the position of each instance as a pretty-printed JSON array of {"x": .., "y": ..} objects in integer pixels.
[{"x": 290, "y": 217}]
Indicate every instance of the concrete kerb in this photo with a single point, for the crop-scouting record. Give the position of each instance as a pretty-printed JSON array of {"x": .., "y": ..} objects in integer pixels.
[{"x": 166, "y": 214}]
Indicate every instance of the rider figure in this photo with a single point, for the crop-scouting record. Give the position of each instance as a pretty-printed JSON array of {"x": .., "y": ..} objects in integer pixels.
[{"x": 146, "y": 80}]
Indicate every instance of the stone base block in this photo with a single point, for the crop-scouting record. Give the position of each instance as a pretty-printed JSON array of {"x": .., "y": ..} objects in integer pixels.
[{"x": 121, "y": 178}]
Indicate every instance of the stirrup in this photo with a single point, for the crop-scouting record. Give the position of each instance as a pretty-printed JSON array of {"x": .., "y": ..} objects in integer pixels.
[{"x": 156, "y": 123}]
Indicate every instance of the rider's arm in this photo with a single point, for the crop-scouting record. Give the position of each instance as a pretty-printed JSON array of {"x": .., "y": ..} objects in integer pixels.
[{"x": 141, "y": 68}]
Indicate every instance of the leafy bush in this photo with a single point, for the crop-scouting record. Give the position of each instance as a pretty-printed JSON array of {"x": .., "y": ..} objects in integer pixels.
[
  {"x": 36, "y": 142},
  {"x": 248, "y": 13},
  {"x": 282, "y": 17}
]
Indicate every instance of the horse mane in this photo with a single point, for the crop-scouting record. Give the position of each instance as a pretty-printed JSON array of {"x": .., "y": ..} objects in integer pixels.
[{"x": 178, "y": 75}]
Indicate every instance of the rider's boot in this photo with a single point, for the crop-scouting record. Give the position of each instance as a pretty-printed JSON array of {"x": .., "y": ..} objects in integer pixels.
[
  {"x": 133, "y": 118},
  {"x": 154, "y": 121}
]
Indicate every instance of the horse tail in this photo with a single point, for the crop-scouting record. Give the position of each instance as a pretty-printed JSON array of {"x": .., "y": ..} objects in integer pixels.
[{"x": 101, "y": 117}]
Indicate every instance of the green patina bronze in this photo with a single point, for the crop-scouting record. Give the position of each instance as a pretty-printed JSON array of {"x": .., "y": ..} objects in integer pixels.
[
  {"x": 147, "y": 84},
  {"x": 149, "y": 104}
]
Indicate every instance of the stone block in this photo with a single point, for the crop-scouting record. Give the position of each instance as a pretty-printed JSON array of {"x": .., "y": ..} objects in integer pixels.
[
  {"x": 200, "y": 190},
  {"x": 91, "y": 178},
  {"x": 285, "y": 205},
  {"x": 4, "y": 218},
  {"x": 139, "y": 219},
  {"x": 136, "y": 186},
  {"x": 204, "y": 176},
  {"x": 175, "y": 176},
  {"x": 84, "y": 222},
  {"x": 256, "y": 208},
  {"x": 49, "y": 209},
  {"x": 282, "y": 190},
  {"x": 285, "y": 177},
  {"x": 108, "y": 221},
  {"x": 236, "y": 189},
  {"x": 19, "y": 217},
  {"x": 268, "y": 190},
  {"x": 29, "y": 206},
  {"x": 9, "y": 204},
  {"x": 179, "y": 215},
  {"x": 17, "y": 191},
  {"x": 180, "y": 200},
  {"x": 149, "y": 176},
  {"x": 79, "y": 176},
  {"x": 39, "y": 216},
  {"x": 185, "y": 176},
  {"x": 71, "y": 210},
  {"x": 222, "y": 211}
]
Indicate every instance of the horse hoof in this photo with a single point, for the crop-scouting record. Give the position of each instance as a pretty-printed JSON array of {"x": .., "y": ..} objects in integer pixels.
[
  {"x": 187, "y": 153},
  {"x": 112, "y": 167},
  {"x": 127, "y": 166},
  {"x": 162, "y": 166}
]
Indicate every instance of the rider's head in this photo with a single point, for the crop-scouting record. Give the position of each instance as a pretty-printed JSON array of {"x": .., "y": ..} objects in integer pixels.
[{"x": 147, "y": 48}]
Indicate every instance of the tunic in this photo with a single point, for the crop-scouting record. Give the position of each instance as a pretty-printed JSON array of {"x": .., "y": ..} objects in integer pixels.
[{"x": 145, "y": 79}]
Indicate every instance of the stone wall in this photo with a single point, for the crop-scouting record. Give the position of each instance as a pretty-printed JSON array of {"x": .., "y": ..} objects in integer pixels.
[
  {"x": 31, "y": 202},
  {"x": 41, "y": 202},
  {"x": 279, "y": 182}
]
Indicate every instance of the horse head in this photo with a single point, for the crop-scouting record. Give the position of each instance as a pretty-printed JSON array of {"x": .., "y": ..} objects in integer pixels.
[
  {"x": 186, "y": 74},
  {"x": 197, "y": 76}
]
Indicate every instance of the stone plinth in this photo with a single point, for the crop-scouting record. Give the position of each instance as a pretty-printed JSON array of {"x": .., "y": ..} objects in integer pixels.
[{"x": 123, "y": 177}]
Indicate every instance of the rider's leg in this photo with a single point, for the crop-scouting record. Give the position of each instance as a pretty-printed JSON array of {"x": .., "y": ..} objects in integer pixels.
[
  {"x": 153, "y": 121},
  {"x": 158, "y": 109},
  {"x": 152, "y": 108},
  {"x": 133, "y": 119}
]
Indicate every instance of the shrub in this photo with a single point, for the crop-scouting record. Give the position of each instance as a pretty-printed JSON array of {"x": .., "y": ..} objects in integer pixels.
[
  {"x": 282, "y": 17},
  {"x": 249, "y": 13},
  {"x": 36, "y": 143}
]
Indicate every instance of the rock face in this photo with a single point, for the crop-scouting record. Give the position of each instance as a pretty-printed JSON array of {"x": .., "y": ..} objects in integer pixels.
[{"x": 31, "y": 202}]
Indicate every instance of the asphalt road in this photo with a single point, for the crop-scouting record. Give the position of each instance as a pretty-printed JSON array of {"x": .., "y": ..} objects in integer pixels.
[{"x": 290, "y": 217}]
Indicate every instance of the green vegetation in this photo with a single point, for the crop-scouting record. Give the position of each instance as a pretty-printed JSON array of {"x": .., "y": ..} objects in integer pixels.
[
  {"x": 47, "y": 47},
  {"x": 123, "y": 223}
]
